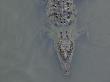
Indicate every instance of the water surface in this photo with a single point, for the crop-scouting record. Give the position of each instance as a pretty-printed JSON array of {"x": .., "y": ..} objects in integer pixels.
[{"x": 27, "y": 53}]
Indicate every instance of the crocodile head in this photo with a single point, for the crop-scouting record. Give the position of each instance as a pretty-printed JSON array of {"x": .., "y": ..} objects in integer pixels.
[{"x": 65, "y": 46}]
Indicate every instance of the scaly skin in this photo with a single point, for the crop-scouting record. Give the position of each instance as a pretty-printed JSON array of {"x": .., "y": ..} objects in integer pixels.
[
  {"x": 54, "y": 30},
  {"x": 60, "y": 23}
]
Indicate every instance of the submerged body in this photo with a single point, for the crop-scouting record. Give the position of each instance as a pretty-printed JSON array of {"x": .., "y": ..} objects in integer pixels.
[{"x": 62, "y": 14}]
